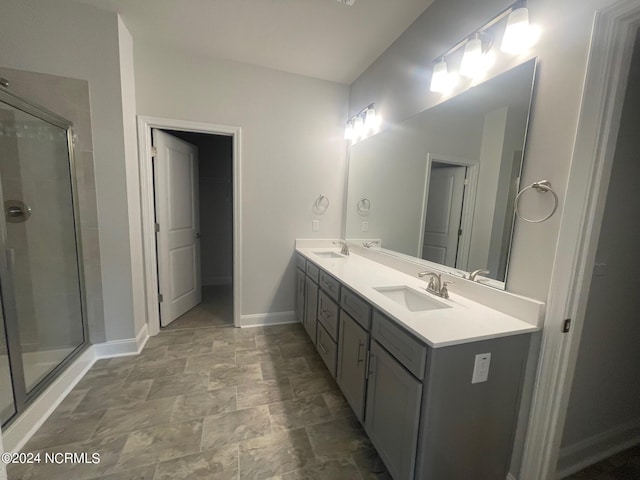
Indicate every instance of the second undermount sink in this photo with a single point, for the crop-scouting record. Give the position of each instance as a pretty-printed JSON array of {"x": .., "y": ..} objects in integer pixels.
[
  {"x": 411, "y": 299},
  {"x": 328, "y": 255}
]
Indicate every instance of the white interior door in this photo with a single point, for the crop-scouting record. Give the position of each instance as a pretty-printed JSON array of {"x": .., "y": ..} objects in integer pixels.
[
  {"x": 177, "y": 215},
  {"x": 444, "y": 210}
]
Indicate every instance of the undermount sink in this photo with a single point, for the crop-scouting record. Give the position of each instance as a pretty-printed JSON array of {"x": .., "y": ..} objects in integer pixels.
[
  {"x": 411, "y": 299},
  {"x": 328, "y": 254}
]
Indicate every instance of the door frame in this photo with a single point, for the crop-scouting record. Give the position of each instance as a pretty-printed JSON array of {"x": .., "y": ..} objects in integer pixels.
[
  {"x": 468, "y": 206},
  {"x": 606, "y": 79},
  {"x": 145, "y": 124}
]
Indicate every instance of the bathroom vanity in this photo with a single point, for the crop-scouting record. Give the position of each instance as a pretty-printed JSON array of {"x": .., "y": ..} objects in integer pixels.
[{"x": 436, "y": 383}]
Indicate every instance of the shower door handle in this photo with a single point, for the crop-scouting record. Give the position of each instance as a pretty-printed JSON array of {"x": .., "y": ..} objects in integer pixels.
[{"x": 16, "y": 211}]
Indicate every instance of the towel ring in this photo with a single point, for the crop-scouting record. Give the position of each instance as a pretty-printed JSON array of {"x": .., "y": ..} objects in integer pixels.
[
  {"x": 363, "y": 206},
  {"x": 542, "y": 186},
  {"x": 321, "y": 204}
]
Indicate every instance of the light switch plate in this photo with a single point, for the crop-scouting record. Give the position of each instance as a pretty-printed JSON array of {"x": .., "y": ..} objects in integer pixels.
[
  {"x": 365, "y": 226},
  {"x": 315, "y": 225},
  {"x": 481, "y": 368}
]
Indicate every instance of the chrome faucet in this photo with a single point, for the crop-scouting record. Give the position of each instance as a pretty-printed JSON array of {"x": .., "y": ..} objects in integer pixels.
[
  {"x": 370, "y": 243},
  {"x": 475, "y": 273},
  {"x": 436, "y": 285},
  {"x": 345, "y": 247}
]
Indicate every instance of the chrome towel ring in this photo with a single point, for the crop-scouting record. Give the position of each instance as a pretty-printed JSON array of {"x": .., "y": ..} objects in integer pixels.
[
  {"x": 321, "y": 204},
  {"x": 542, "y": 186},
  {"x": 363, "y": 206}
]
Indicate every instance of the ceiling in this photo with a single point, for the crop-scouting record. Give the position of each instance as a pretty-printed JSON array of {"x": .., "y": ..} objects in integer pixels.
[{"x": 318, "y": 38}]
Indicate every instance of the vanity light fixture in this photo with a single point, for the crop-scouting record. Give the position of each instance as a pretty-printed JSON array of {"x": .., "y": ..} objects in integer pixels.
[
  {"x": 442, "y": 81},
  {"x": 363, "y": 124},
  {"x": 519, "y": 34},
  {"x": 478, "y": 55},
  {"x": 477, "y": 58}
]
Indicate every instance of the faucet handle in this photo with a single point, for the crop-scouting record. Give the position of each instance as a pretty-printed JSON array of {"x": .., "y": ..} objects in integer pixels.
[{"x": 444, "y": 291}]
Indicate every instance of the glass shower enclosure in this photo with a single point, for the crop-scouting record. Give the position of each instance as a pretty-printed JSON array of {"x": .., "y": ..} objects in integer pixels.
[{"x": 43, "y": 314}]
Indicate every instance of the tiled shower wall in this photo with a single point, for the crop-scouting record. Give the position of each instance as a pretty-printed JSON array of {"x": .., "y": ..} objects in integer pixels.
[{"x": 70, "y": 99}]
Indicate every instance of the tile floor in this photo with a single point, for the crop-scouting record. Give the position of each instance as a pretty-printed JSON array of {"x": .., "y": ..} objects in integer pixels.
[
  {"x": 623, "y": 466},
  {"x": 215, "y": 310},
  {"x": 209, "y": 403}
]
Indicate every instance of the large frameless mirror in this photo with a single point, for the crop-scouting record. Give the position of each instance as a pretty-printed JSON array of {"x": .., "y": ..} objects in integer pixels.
[{"x": 440, "y": 187}]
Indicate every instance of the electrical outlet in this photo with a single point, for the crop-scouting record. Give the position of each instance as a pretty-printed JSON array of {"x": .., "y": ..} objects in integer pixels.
[
  {"x": 481, "y": 368},
  {"x": 315, "y": 225},
  {"x": 365, "y": 226}
]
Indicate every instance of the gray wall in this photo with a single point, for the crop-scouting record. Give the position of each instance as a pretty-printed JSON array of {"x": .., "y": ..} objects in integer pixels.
[
  {"x": 292, "y": 151},
  {"x": 73, "y": 40},
  {"x": 398, "y": 82},
  {"x": 604, "y": 407}
]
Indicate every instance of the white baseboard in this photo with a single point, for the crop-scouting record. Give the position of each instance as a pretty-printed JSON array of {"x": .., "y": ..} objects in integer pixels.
[
  {"x": 23, "y": 428},
  {"x": 591, "y": 450},
  {"x": 124, "y": 347},
  {"x": 263, "y": 319}
]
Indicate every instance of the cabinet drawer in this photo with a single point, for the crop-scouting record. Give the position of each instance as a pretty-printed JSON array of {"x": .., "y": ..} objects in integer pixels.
[
  {"x": 312, "y": 271},
  {"x": 358, "y": 308},
  {"x": 301, "y": 262},
  {"x": 328, "y": 314},
  {"x": 405, "y": 348},
  {"x": 329, "y": 285},
  {"x": 327, "y": 349}
]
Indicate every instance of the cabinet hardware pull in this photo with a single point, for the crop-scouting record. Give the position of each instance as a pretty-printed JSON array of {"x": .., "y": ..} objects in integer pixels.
[{"x": 360, "y": 345}]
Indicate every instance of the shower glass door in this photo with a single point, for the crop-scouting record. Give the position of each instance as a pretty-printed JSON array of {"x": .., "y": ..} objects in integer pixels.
[{"x": 40, "y": 273}]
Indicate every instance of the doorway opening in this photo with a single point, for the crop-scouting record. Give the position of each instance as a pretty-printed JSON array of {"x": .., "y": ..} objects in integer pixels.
[
  {"x": 193, "y": 193},
  {"x": 223, "y": 300},
  {"x": 603, "y": 413}
]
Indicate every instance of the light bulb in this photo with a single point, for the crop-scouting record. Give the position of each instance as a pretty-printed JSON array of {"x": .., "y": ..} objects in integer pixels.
[
  {"x": 440, "y": 77},
  {"x": 348, "y": 131},
  {"x": 370, "y": 119},
  {"x": 472, "y": 61},
  {"x": 519, "y": 35},
  {"x": 358, "y": 128}
]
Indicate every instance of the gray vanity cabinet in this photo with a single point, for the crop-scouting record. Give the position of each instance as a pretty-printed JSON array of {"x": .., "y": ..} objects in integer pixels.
[
  {"x": 419, "y": 406},
  {"x": 311, "y": 308},
  {"x": 353, "y": 351},
  {"x": 392, "y": 418},
  {"x": 300, "y": 292}
]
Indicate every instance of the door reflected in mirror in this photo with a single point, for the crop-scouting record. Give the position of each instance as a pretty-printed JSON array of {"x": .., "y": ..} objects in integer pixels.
[{"x": 441, "y": 186}]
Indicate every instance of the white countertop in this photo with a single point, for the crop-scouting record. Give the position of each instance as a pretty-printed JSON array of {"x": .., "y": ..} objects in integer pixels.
[{"x": 466, "y": 321}]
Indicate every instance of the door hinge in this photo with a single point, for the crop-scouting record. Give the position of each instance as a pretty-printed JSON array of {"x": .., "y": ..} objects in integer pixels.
[
  {"x": 160, "y": 298},
  {"x": 154, "y": 151},
  {"x": 157, "y": 227},
  {"x": 466, "y": 181},
  {"x": 459, "y": 232},
  {"x": 566, "y": 325}
]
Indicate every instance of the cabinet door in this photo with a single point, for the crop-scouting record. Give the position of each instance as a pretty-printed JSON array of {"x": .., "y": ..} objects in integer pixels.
[
  {"x": 352, "y": 355},
  {"x": 311, "y": 309},
  {"x": 300, "y": 288},
  {"x": 393, "y": 412}
]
